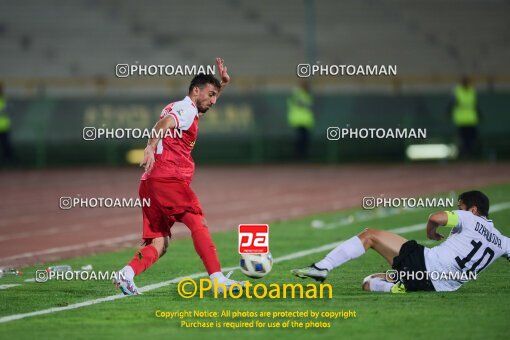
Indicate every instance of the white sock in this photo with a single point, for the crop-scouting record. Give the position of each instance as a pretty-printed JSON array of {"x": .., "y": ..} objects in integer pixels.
[
  {"x": 349, "y": 250},
  {"x": 129, "y": 272},
  {"x": 217, "y": 275},
  {"x": 377, "y": 284}
]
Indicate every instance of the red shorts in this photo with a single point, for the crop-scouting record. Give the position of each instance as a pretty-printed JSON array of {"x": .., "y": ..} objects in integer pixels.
[{"x": 169, "y": 200}]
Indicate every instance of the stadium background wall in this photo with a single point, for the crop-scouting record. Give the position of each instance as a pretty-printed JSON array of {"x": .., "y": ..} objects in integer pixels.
[{"x": 246, "y": 128}]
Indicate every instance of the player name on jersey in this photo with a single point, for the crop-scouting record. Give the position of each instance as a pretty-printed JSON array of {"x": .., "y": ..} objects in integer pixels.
[{"x": 490, "y": 237}]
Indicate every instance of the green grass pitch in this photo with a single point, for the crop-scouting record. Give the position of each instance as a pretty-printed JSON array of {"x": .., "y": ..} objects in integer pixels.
[{"x": 480, "y": 309}]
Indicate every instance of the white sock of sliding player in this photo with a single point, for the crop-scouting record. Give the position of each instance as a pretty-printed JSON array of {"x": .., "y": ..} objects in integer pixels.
[
  {"x": 349, "y": 250},
  {"x": 376, "y": 284}
]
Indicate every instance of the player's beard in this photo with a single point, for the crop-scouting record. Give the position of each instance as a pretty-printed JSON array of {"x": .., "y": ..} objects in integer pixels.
[{"x": 202, "y": 109}]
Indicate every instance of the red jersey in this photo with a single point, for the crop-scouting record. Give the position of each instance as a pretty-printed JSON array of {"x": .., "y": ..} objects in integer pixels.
[{"x": 173, "y": 154}]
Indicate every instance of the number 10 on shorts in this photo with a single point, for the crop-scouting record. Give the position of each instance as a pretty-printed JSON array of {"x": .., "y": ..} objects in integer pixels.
[{"x": 253, "y": 238}]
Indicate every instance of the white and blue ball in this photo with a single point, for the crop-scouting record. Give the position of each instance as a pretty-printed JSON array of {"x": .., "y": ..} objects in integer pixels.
[{"x": 256, "y": 265}]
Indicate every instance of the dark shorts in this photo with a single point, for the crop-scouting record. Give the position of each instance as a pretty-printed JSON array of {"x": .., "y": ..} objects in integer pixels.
[{"x": 411, "y": 259}]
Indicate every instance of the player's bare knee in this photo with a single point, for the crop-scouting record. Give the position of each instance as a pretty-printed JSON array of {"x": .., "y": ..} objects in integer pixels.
[
  {"x": 165, "y": 246},
  {"x": 365, "y": 286},
  {"x": 161, "y": 245},
  {"x": 367, "y": 237},
  {"x": 163, "y": 250}
]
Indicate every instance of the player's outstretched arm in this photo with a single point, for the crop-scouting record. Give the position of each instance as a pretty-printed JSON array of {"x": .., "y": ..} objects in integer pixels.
[
  {"x": 148, "y": 155},
  {"x": 222, "y": 72},
  {"x": 435, "y": 221}
]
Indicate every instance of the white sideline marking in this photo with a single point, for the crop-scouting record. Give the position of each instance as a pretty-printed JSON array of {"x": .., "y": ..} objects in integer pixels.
[
  {"x": 107, "y": 242},
  {"x": 9, "y": 285},
  {"x": 103, "y": 242},
  {"x": 402, "y": 230}
]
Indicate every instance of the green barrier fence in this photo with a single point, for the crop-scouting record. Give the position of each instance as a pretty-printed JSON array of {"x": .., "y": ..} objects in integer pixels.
[{"x": 246, "y": 128}]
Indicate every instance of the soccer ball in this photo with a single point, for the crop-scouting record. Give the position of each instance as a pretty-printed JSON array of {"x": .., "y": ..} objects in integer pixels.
[{"x": 256, "y": 265}]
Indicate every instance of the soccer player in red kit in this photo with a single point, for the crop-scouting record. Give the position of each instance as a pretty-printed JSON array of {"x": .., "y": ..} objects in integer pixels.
[{"x": 169, "y": 170}]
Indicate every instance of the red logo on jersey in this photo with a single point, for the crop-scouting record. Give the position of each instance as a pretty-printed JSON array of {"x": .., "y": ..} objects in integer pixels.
[{"x": 253, "y": 238}]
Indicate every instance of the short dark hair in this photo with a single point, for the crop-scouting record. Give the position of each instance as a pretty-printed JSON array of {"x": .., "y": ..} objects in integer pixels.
[
  {"x": 201, "y": 79},
  {"x": 476, "y": 199}
]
